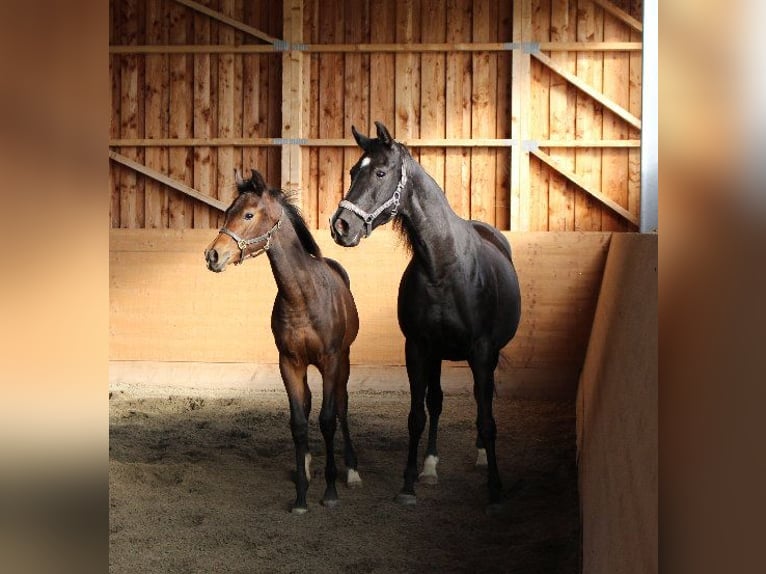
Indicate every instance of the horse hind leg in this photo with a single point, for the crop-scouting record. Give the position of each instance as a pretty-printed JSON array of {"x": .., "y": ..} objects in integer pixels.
[
  {"x": 353, "y": 479},
  {"x": 483, "y": 367},
  {"x": 434, "y": 400}
]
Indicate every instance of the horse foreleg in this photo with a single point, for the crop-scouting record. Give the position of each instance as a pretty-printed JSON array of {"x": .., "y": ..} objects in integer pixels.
[
  {"x": 299, "y": 397},
  {"x": 483, "y": 368},
  {"x": 416, "y": 421}
]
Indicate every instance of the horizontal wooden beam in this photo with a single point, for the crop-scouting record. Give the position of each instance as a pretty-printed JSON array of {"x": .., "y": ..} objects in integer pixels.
[
  {"x": 227, "y": 20},
  {"x": 620, "y": 14},
  {"x": 574, "y": 178},
  {"x": 339, "y": 142},
  {"x": 586, "y": 88},
  {"x": 376, "y": 48},
  {"x": 170, "y": 182}
]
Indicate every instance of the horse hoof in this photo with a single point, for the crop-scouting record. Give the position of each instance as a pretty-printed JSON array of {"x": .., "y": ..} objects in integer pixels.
[
  {"x": 297, "y": 510},
  {"x": 493, "y": 509},
  {"x": 353, "y": 479},
  {"x": 428, "y": 479},
  {"x": 330, "y": 502},
  {"x": 481, "y": 458},
  {"x": 406, "y": 499}
]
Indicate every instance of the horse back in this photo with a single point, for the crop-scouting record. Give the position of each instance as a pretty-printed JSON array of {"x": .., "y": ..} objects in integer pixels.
[
  {"x": 493, "y": 236},
  {"x": 338, "y": 268}
]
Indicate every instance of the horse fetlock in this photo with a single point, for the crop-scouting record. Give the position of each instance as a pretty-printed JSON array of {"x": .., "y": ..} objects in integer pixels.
[
  {"x": 481, "y": 458},
  {"x": 428, "y": 475}
]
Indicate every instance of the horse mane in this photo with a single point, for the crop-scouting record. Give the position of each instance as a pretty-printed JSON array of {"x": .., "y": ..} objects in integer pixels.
[{"x": 287, "y": 200}]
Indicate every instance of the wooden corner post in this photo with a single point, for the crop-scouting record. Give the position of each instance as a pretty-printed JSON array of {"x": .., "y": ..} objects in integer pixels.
[
  {"x": 520, "y": 96},
  {"x": 292, "y": 100}
]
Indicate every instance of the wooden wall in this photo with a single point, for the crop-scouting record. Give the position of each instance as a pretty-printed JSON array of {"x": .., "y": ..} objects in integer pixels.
[
  {"x": 526, "y": 112},
  {"x": 166, "y": 306},
  {"x": 617, "y": 420}
]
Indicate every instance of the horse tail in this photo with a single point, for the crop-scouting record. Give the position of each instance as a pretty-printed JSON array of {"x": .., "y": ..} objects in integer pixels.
[{"x": 338, "y": 268}]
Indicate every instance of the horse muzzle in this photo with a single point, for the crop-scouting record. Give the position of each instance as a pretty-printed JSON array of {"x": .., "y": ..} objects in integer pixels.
[
  {"x": 216, "y": 261},
  {"x": 345, "y": 228}
]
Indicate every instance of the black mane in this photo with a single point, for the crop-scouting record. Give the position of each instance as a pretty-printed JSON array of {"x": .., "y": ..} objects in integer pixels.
[{"x": 287, "y": 201}]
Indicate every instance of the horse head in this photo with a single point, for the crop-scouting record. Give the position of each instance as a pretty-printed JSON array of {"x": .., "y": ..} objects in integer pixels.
[
  {"x": 249, "y": 223},
  {"x": 377, "y": 181}
]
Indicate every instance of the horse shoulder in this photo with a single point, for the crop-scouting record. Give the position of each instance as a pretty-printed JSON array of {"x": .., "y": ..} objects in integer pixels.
[{"x": 493, "y": 236}]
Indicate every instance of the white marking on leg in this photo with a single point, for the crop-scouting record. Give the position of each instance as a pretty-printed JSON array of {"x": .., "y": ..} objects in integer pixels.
[
  {"x": 428, "y": 475},
  {"x": 308, "y": 466},
  {"x": 481, "y": 458},
  {"x": 352, "y": 478},
  {"x": 365, "y": 162}
]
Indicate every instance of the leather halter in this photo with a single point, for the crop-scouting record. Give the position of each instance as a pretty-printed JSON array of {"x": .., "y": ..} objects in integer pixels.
[
  {"x": 368, "y": 218},
  {"x": 243, "y": 244}
]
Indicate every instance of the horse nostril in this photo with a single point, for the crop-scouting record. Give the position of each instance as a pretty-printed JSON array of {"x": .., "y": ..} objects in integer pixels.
[
  {"x": 341, "y": 227},
  {"x": 211, "y": 255}
]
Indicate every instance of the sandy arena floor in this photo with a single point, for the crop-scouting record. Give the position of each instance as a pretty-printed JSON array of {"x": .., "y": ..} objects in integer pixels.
[{"x": 201, "y": 466}]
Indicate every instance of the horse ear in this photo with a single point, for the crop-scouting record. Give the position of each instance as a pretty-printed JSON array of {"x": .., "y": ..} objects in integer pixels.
[
  {"x": 362, "y": 141},
  {"x": 256, "y": 180},
  {"x": 242, "y": 185},
  {"x": 383, "y": 135}
]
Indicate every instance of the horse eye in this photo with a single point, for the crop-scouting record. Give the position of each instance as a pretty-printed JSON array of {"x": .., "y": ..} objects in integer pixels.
[
  {"x": 380, "y": 173},
  {"x": 248, "y": 216}
]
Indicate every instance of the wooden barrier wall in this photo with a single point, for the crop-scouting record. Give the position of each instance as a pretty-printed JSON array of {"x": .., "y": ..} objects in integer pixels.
[
  {"x": 166, "y": 306},
  {"x": 617, "y": 420},
  {"x": 526, "y": 112}
]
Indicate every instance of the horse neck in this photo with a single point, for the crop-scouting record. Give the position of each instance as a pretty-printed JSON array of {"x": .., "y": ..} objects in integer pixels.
[
  {"x": 432, "y": 227},
  {"x": 288, "y": 259}
]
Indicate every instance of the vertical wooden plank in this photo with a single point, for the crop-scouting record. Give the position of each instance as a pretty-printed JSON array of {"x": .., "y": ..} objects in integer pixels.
[
  {"x": 311, "y": 31},
  {"x": 588, "y": 120},
  {"x": 458, "y": 107},
  {"x": 131, "y": 205},
  {"x": 484, "y": 89},
  {"x": 407, "y": 75},
  {"x": 563, "y": 99},
  {"x": 520, "y": 192},
  {"x": 503, "y": 118},
  {"x": 356, "y": 81},
  {"x": 115, "y": 67},
  {"x": 274, "y": 66},
  {"x": 539, "y": 114},
  {"x": 225, "y": 98},
  {"x": 292, "y": 99},
  {"x": 180, "y": 119},
  {"x": 203, "y": 173},
  {"x": 331, "y": 112},
  {"x": 382, "y": 67},
  {"x": 614, "y": 161},
  {"x": 253, "y": 115},
  {"x": 156, "y": 116},
  {"x": 634, "y": 155},
  {"x": 238, "y": 14},
  {"x": 433, "y": 87}
]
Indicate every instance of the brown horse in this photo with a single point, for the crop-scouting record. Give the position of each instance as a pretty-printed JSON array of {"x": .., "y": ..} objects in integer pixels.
[{"x": 314, "y": 319}]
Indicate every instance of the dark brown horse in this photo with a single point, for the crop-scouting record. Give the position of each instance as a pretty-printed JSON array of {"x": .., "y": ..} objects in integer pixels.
[
  {"x": 314, "y": 319},
  {"x": 459, "y": 297}
]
